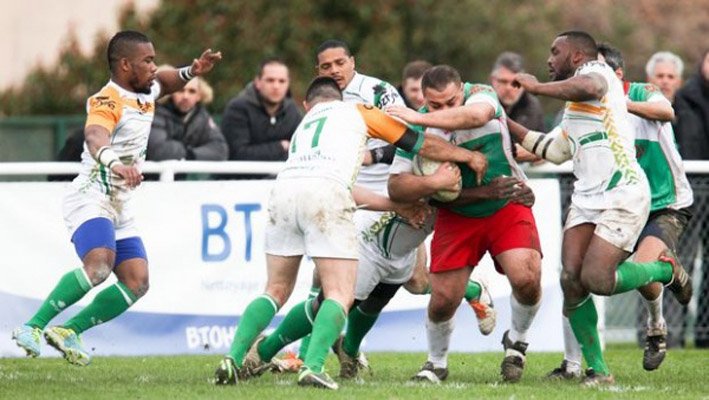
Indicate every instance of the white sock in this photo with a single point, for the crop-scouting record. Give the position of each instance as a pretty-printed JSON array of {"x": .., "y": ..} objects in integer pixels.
[
  {"x": 439, "y": 338},
  {"x": 522, "y": 317},
  {"x": 572, "y": 350},
  {"x": 654, "y": 312}
]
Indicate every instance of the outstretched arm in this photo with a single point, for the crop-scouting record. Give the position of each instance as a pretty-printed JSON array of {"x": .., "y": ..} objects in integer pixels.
[
  {"x": 463, "y": 117},
  {"x": 172, "y": 80},
  {"x": 551, "y": 147},
  {"x": 591, "y": 86}
]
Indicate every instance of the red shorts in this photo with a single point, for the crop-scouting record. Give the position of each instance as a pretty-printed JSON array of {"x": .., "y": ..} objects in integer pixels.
[{"x": 460, "y": 241}]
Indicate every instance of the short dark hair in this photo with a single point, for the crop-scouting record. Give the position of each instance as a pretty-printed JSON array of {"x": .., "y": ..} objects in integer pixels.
[
  {"x": 268, "y": 61},
  {"x": 509, "y": 60},
  {"x": 415, "y": 69},
  {"x": 439, "y": 77},
  {"x": 121, "y": 45},
  {"x": 582, "y": 41},
  {"x": 613, "y": 56},
  {"x": 323, "y": 87},
  {"x": 332, "y": 44}
]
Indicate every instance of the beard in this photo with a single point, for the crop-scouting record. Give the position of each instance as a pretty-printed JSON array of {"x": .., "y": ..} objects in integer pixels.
[{"x": 139, "y": 87}]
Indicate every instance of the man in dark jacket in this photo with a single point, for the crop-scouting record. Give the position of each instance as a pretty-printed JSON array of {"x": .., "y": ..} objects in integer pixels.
[
  {"x": 692, "y": 133},
  {"x": 183, "y": 130},
  {"x": 692, "y": 112},
  {"x": 259, "y": 122}
]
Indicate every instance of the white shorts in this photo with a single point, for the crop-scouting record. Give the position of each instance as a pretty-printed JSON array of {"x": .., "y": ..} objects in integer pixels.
[
  {"x": 619, "y": 214},
  {"x": 374, "y": 268},
  {"x": 79, "y": 207},
  {"x": 311, "y": 216},
  {"x": 387, "y": 250}
]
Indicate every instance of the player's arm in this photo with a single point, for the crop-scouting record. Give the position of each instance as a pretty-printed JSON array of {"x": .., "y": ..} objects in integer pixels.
[
  {"x": 98, "y": 140},
  {"x": 384, "y": 127},
  {"x": 174, "y": 79},
  {"x": 414, "y": 212},
  {"x": 502, "y": 187},
  {"x": 406, "y": 187},
  {"x": 653, "y": 110},
  {"x": 553, "y": 146},
  {"x": 464, "y": 117},
  {"x": 591, "y": 86}
]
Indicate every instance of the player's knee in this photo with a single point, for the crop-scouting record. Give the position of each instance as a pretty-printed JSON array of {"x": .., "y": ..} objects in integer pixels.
[
  {"x": 442, "y": 306},
  {"x": 138, "y": 285},
  {"x": 98, "y": 271},
  {"x": 416, "y": 285},
  {"x": 526, "y": 283},
  {"x": 596, "y": 284},
  {"x": 278, "y": 293}
]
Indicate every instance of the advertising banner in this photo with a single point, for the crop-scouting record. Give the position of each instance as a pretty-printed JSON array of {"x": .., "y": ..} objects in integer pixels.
[{"x": 204, "y": 241}]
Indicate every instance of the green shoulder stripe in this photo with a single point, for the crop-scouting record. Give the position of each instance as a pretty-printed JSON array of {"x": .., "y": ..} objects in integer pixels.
[{"x": 405, "y": 154}]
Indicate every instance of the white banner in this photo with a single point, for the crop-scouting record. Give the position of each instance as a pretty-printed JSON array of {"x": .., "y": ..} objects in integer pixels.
[{"x": 204, "y": 241}]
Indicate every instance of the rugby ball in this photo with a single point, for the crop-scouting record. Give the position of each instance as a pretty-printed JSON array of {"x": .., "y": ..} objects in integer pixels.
[{"x": 424, "y": 166}]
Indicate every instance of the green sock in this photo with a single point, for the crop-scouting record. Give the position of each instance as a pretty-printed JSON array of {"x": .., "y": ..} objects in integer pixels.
[
  {"x": 632, "y": 275},
  {"x": 297, "y": 323},
  {"x": 70, "y": 289},
  {"x": 107, "y": 305},
  {"x": 473, "y": 291},
  {"x": 358, "y": 325},
  {"x": 584, "y": 323},
  {"x": 326, "y": 328},
  {"x": 303, "y": 350},
  {"x": 257, "y": 315}
]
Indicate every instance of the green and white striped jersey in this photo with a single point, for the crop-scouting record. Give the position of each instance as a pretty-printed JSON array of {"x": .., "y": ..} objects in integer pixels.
[
  {"x": 657, "y": 153},
  {"x": 492, "y": 139}
]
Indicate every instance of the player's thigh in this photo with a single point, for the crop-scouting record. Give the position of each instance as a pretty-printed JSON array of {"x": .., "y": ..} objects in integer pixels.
[
  {"x": 419, "y": 282},
  {"x": 282, "y": 272},
  {"x": 600, "y": 264},
  {"x": 574, "y": 244},
  {"x": 283, "y": 235},
  {"x": 131, "y": 265},
  {"x": 338, "y": 277},
  {"x": 448, "y": 287},
  {"x": 662, "y": 231},
  {"x": 521, "y": 266}
]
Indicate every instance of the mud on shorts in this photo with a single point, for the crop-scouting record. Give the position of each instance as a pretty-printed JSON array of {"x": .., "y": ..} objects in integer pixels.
[
  {"x": 619, "y": 214},
  {"x": 667, "y": 225},
  {"x": 311, "y": 216}
]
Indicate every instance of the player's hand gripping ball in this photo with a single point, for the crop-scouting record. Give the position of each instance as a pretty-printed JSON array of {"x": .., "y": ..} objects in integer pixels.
[{"x": 424, "y": 167}]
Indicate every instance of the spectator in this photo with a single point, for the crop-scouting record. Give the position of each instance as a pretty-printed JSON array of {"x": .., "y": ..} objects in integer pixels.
[
  {"x": 183, "y": 129},
  {"x": 410, "y": 88},
  {"x": 259, "y": 122},
  {"x": 692, "y": 111},
  {"x": 692, "y": 132},
  {"x": 664, "y": 70},
  {"x": 519, "y": 105}
]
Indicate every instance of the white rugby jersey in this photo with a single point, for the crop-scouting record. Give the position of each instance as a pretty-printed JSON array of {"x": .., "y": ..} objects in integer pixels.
[
  {"x": 128, "y": 117},
  {"x": 368, "y": 90},
  {"x": 601, "y": 137},
  {"x": 329, "y": 141}
]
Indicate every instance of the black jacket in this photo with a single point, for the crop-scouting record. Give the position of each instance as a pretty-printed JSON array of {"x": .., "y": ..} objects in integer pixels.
[
  {"x": 251, "y": 133},
  {"x": 174, "y": 137},
  {"x": 528, "y": 112},
  {"x": 692, "y": 119}
]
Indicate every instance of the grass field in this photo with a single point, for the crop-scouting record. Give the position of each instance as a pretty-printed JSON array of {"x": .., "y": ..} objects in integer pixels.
[{"x": 682, "y": 376}]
